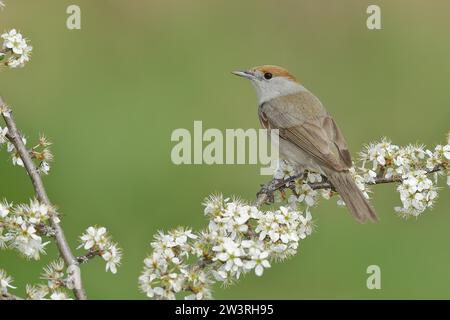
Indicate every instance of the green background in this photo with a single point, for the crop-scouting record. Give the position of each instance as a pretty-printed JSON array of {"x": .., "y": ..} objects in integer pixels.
[{"x": 109, "y": 96}]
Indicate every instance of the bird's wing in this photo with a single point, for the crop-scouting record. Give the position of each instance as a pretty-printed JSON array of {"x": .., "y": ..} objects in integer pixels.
[{"x": 302, "y": 120}]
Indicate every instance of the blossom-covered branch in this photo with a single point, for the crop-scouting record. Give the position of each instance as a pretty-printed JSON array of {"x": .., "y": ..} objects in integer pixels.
[
  {"x": 266, "y": 192},
  {"x": 15, "y": 138},
  {"x": 23, "y": 227},
  {"x": 241, "y": 237}
]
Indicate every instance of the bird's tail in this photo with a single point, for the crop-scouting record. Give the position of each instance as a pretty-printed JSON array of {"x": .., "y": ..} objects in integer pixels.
[{"x": 354, "y": 199}]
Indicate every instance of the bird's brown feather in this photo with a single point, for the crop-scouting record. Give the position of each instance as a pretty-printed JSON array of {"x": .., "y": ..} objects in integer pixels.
[{"x": 302, "y": 120}]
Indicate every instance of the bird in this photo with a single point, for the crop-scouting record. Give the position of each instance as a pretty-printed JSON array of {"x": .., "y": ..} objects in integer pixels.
[{"x": 309, "y": 137}]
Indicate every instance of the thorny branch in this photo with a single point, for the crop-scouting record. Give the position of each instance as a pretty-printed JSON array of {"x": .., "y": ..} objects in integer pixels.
[
  {"x": 61, "y": 242},
  {"x": 88, "y": 256},
  {"x": 265, "y": 194}
]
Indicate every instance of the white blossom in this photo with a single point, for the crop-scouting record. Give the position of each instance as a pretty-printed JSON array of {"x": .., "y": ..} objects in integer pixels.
[
  {"x": 306, "y": 225},
  {"x": 23, "y": 237},
  {"x": 446, "y": 151},
  {"x": 4, "y": 208},
  {"x": 14, "y": 41},
  {"x": 417, "y": 193},
  {"x": 29, "y": 244},
  {"x": 94, "y": 237},
  {"x": 54, "y": 274},
  {"x": 112, "y": 256},
  {"x": 380, "y": 154},
  {"x": 18, "y": 47},
  {"x": 97, "y": 241},
  {"x": 305, "y": 194},
  {"x": 259, "y": 261},
  {"x": 20, "y": 226},
  {"x": 438, "y": 156},
  {"x": 285, "y": 170},
  {"x": 44, "y": 167},
  {"x": 15, "y": 156},
  {"x": 5, "y": 282},
  {"x": 37, "y": 212},
  {"x": 230, "y": 253},
  {"x": 239, "y": 238}
]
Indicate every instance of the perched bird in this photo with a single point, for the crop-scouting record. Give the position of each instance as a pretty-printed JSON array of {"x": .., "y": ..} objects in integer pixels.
[{"x": 308, "y": 135}]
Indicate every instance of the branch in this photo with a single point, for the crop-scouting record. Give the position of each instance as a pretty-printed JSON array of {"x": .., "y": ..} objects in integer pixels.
[
  {"x": 61, "y": 242},
  {"x": 265, "y": 194},
  {"x": 88, "y": 256}
]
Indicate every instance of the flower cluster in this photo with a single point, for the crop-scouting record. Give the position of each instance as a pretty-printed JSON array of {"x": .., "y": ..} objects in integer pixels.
[
  {"x": 40, "y": 152},
  {"x": 417, "y": 193},
  {"x": 23, "y": 226},
  {"x": 240, "y": 238},
  {"x": 15, "y": 49},
  {"x": 304, "y": 194},
  {"x": 391, "y": 160},
  {"x": 98, "y": 242},
  {"x": 166, "y": 271},
  {"x": 410, "y": 165},
  {"x": 57, "y": 282}
]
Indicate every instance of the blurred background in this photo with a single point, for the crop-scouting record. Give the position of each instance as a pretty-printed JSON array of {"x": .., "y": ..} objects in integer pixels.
[{"x": 110, "y": 95}]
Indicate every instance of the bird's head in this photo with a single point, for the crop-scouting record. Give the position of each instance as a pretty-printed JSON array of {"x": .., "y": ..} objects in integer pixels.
[{"x": 271, "y": 81}]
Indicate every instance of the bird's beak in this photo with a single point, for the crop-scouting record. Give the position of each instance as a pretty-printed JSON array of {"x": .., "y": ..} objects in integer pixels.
[{"x": 245, "y": 74}]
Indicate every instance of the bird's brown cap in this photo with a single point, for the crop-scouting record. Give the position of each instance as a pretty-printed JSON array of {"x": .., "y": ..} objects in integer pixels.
[{"x": 276, "y": 71}]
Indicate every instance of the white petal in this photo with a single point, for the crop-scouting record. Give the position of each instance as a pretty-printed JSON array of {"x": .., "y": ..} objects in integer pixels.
[{"x": 259, "y": 270}]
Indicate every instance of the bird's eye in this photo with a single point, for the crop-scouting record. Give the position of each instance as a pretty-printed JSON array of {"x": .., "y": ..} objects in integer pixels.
[{"x": 267, "y": 75}]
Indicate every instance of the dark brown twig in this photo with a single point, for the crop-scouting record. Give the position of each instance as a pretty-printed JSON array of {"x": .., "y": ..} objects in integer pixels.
[{"x": 266, "y": 192}]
